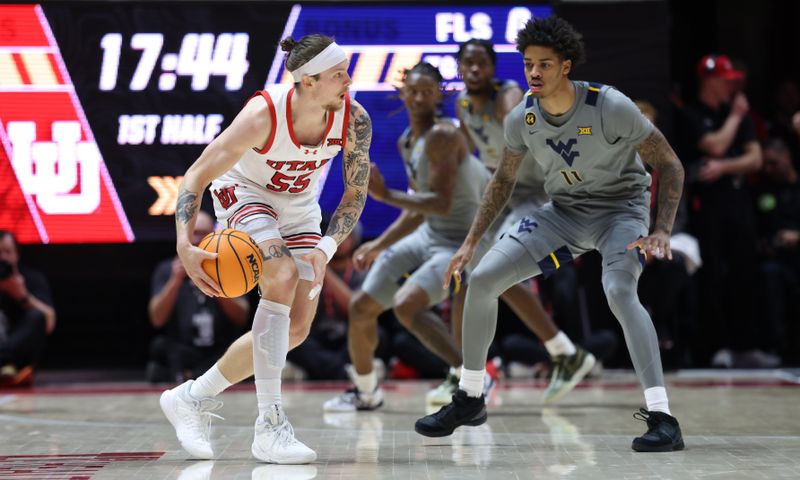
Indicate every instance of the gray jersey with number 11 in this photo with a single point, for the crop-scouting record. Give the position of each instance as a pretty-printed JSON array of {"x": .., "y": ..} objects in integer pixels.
[{"x": 588, "y": 154}]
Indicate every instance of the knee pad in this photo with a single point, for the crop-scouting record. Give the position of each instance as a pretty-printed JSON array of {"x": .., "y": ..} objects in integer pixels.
[{"x": 273, "y": 343}]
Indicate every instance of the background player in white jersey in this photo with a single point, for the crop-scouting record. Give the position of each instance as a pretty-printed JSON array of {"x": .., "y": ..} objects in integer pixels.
[
  {"x": 447, "y": 182},
  {"x": 591, "y": 141},
  {"x": 481, "y": 107},
  {"x": 264, "y": 169}
]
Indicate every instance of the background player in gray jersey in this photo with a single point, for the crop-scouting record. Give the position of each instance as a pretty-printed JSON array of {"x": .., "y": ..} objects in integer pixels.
[
  {"x": 448, "y": 182},
  {"x": 482, "y": 107},
  {"x": 591, "y": 141}
]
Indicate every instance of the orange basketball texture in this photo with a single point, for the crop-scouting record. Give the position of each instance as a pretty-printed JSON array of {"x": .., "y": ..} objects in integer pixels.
[{"x": 239, "y": 262}]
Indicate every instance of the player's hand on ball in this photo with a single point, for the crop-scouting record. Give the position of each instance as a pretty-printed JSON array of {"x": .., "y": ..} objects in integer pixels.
[
  {"x": 656, "y": 244},
  {"x": 457, "y": 265},
  {"x": 192, "y": 258}
]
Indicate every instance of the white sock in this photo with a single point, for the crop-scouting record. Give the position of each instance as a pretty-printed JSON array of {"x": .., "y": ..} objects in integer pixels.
[
  {"x": 656, "y": 399},
  {"x": 560, "y": 345},
  {"x": 209, "y": 384},
  {"x": 270, "y": 346},
  {"x": 472, "y": 381},
  {"x": 368, "y": 382},
  {"x": 456, "y": 371}
]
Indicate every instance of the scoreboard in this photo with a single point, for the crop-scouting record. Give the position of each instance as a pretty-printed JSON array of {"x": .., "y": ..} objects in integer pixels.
[{"x": 103, "y": 106}]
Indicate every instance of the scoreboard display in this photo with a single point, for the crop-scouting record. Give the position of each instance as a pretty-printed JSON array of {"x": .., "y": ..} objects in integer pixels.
[{"x": 103, "y": 106}]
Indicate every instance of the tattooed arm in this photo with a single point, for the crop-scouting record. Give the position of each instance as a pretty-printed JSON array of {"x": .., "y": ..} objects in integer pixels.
[
  {"x": 356, "y": 174},
  {"x": 355, "y": 164},
  {"x": 249, "y": 129},
  {"x": 445, "y": 147},
  {"x": 656, "y": 151},
  {"x": 495, "y": 197}
]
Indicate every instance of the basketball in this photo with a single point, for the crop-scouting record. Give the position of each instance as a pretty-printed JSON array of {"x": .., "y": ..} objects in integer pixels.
[{"x": 239, "y": 262}]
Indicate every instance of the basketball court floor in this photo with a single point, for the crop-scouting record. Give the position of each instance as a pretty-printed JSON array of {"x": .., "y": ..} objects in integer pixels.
[{"x": 736, "y": 425}]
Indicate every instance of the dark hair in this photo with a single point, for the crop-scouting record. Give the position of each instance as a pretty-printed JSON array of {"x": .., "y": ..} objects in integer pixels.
[
  {"x": 479, "y": 42},
  {"x": 424, "y": 68},
  {"x": 772, "y": 143},
  {"x": 303, "y": 50},
  {"x": 6, "y": 233},
  {"x": 553, "y": 32}
]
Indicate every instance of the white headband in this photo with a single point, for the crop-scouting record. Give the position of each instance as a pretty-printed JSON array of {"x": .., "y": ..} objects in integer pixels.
[{"x": 330, "y": 57}]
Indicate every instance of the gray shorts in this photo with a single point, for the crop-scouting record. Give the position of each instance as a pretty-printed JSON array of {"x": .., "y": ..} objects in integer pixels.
[
  {"x": 554, "y": 235},
  {"x": 418, "y": 259},
  {"x": 515, "y": 214}
]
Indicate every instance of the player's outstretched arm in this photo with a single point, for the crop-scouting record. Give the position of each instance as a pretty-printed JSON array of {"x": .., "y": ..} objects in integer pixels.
[
  {"x": 366, "y": 254},
  {"x": 494, "y": 200},
  {"x": 249, "y": 129},
  {"x": 656, "y": 151},
  {"x": 445, "y": 146},
  {"x": 496, "y": 195}
]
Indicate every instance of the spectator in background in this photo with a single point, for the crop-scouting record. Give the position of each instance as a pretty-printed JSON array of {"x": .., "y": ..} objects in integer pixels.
[
  {"x": 720, "y": 149},
  {"x": 26, "y": 315},
  {"x": 786, "y": 119},
  {"x": 740, "y": 85},
  {"x": 194, "y": 329},
  {"x": 778, "y": 207}
]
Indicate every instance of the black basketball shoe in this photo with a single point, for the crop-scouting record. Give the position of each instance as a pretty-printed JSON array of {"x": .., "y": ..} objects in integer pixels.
[
  {"x": 463, "y": 410},
  {"x": 663, "y": 433}
]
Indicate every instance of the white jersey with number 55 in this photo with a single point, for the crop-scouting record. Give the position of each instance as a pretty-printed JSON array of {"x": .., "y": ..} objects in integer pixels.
[{"x": 284, "y": 166}]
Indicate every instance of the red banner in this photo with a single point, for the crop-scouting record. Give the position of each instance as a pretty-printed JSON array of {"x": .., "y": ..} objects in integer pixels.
[{"x": 54, "y": 185}]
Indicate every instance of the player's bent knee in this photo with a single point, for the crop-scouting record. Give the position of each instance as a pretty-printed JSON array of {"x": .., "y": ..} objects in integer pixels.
[
  {"x": 363, "y": 305},
  {"x": 485, "y": 281},
  {"x": 620, "y": 288},
  {"x": 282, "y": 274},
  {"x": 407, "y": 305}
]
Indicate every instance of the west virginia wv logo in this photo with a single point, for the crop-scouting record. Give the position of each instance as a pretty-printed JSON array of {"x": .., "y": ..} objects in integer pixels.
[{"x": 565, "y": 149}]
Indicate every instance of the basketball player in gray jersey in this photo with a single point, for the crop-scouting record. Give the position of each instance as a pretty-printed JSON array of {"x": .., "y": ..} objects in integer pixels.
[
  {"x": 591, "y": 141},
  {"x": 448, "y": 183},
  {"x": 481, "y": 107}
]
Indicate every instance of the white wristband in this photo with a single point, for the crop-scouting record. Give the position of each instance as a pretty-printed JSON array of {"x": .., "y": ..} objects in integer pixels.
[{"x": 328, "y": 246}]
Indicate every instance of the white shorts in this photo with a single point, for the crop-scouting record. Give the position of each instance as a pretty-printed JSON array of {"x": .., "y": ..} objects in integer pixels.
[{"x": 264, "y": 215}]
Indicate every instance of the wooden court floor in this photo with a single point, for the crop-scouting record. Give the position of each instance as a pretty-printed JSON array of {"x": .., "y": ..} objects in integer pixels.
[{"x": 736, "y": 425}]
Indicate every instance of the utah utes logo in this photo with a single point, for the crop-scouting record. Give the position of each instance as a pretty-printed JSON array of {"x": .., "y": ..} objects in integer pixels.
[
  {"x": 565, "y": 149},
  {"x": 226, "y": 196},
  {"x": 53, "y": 171}
]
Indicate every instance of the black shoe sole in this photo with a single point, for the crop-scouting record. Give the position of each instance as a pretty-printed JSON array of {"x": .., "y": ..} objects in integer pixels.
[
  {"x": 444, "y": 433},
  {"x": 659, "y": 448}
]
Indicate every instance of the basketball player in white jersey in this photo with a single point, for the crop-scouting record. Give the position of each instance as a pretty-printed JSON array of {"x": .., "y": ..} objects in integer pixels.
[{"x": 264, "y": 170}]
